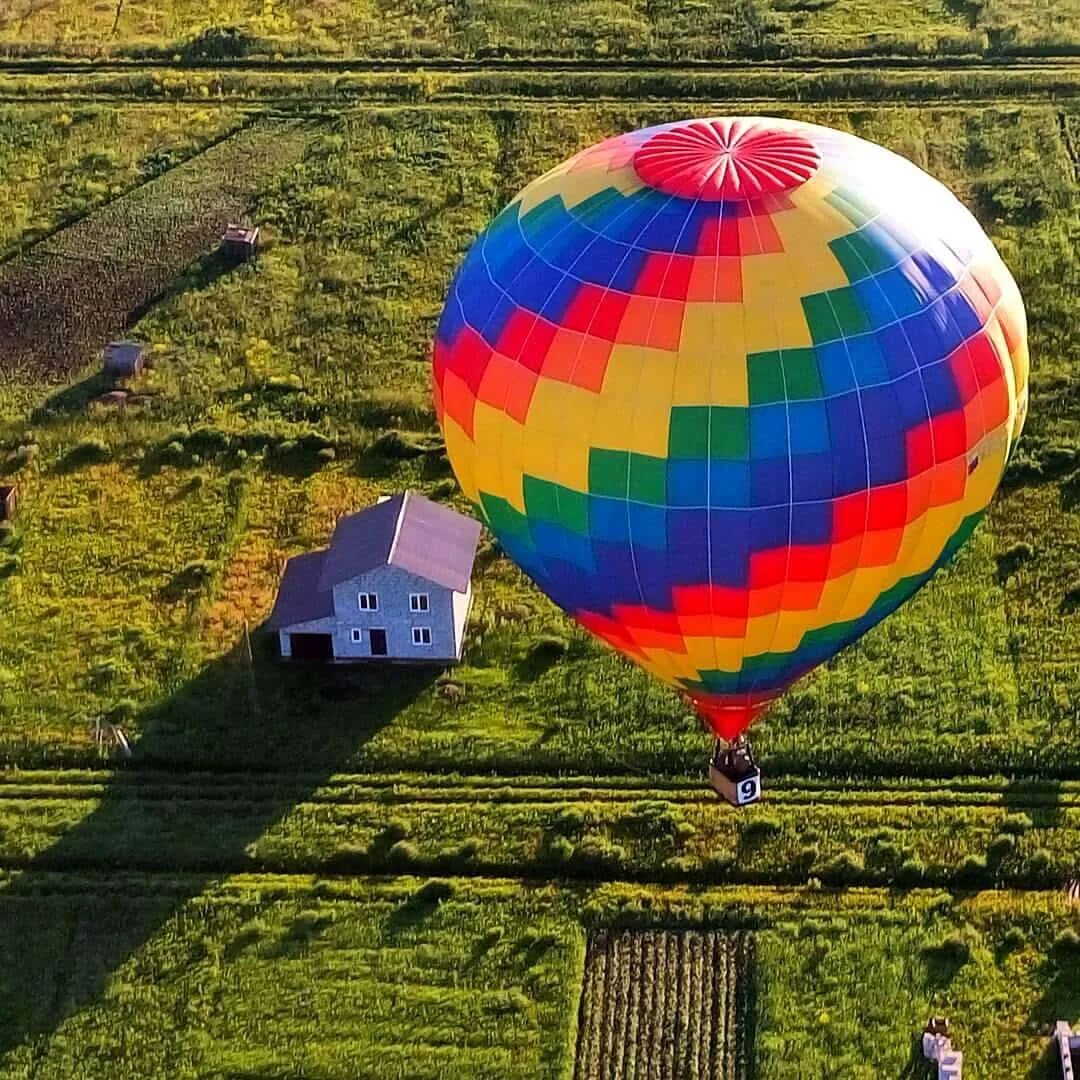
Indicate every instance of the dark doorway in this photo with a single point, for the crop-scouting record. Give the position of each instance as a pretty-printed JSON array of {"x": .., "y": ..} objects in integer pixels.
[
  {"x": 378, "y": 642},
  {"x": 311, "y": 646}
]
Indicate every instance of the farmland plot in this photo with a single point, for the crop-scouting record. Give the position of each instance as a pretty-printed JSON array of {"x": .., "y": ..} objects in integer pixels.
[
  {"x": 665, "y": 1005},
  {"x": 71, "y": 291}
]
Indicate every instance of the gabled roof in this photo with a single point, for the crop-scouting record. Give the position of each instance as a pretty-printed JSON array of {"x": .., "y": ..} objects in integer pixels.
[
  {"x": 409, "y": 532},
  {"x": 299, "y": 599}
]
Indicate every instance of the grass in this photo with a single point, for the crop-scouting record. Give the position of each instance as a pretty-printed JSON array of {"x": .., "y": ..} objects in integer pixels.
[
  {"x": 329, "y": 333},
  {"x": 600, "y": 30}
]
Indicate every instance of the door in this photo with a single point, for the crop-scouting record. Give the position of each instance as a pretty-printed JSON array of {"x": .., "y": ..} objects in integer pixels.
[
  {"x": 316, "y": 647},
  {"x": 378, "y": 642}
]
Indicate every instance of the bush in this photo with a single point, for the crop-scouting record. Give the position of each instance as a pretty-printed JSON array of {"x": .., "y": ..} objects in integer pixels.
[
  {"x": 569, "y": 820},
  {"x": 1016, "y": 824},
  {"x": 760, "y": 828},
  {"x": 548, "y": 648},
  {"x": 597, "y": 855},
  {"x": 7, "y": 532},
  {"x": 1014, "y": 939},
  {"x": 971, "y": 871},
  {"x": 560, "y": 849},
  {"x": 218, "y": 43},
  {"x": 910, "y": 872},
  {"x": 1066, "y": 945},
  {"x": 88, "y": 452},
  {"x": 1039, "y": 865},
  {"x": 394, "y": 444},
  {"x": 433, "y": 892},
  {"x": 1001, "y": 847},
  {"x": 393, "y": 831},
  {"x": 954, "y": 951},
  {"x": 842, "y": 869},
  {"x": 402, "y": 853},
  {"x": 1010, "y": 560}
]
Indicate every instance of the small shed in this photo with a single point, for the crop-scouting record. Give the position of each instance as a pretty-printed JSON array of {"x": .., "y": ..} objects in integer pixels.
[
  {"x": 9, "y": 500},
  {"x": 239, "y": 243},
  {"x": 124, "y": 359},
  {"x": 1068, "y": 1047}
]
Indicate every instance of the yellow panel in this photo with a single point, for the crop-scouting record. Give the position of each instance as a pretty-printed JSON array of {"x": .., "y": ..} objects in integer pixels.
[
  {"x": 566, "y": 414},
  {"x": 773, "y": 314},
  {"x": 575, "y": 186},
  {"x": 715, "y": 654},
  {"x": 711, "y": 365},
  {"x": 498, "y": 463},
  {"x": 462, "y": 452},
  {"x": 634, "y": 410}
]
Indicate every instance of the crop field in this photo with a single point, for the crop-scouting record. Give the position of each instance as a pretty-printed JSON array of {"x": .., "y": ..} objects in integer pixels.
[
  {"x": 513, "y": 868},
  {"x": 667, "y": 1005}
]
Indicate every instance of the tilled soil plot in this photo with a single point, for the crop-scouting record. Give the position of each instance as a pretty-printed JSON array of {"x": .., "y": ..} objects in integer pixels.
[{"x": 69, "y": 294}]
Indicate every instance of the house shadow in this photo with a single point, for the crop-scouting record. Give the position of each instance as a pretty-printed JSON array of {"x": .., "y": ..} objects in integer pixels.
[
  {"x": 1060, "y": 1000},
  {"x": 216, "y": 766}
]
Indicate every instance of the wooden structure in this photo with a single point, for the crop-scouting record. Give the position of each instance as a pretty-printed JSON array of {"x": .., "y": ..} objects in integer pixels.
[
  {"x": 734, "y": 775},
  {"x": 240, "y": 243},
  {"x": 9, "y": 501},
  {"x": 938, "y": 1047},
  {"x": 1068, "y": 1047},
  {"x": 124, "y": 359}
]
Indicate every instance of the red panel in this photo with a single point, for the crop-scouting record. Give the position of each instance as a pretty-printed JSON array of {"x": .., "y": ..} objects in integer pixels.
[
  {"x": 984, "y": 359},
  {"x": 920, "y": 450},
  {"x": 519, "y": 392},
  {"x": 849, "y": 516},
  {"x": 963, "y": 372},
  {"x": 730, "y": 716},
  {"x": 720, "y": 236},
  {"x": 767, "y": 568},
  {"x": 949, "y": 435},
  {"x": 808, "y": 562},
  {"x": 534, "y": 351},
  {"x": 459, "y": 401},
  {"x": 888, "y": 507}
]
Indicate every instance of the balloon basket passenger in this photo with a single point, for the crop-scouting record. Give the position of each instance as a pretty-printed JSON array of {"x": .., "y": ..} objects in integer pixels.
[{"x": 734, "y": 774}]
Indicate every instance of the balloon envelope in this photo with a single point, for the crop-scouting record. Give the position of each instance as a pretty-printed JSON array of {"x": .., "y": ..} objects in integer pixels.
[{"x": 730, "y": 391}]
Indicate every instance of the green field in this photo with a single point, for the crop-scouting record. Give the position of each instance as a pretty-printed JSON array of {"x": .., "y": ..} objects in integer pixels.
[{"x": 362, "y": 874}]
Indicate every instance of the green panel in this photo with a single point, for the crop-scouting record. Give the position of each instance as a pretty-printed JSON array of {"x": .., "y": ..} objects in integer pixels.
[
  {"x": 860, "y": 256},
  {"x": 849, "y": 312},
  {"x": 609, "y": 472},
  {"x": 801, "y": 378},
  {"x": 688, "y": 435},
  {"x": 853, "y": 206},
  {"x": 503, "y": 518},
  {"x": 833, "y": 315},
  {"x": 648, "y": 479},
  {"x": 766, "y": 376},
  {"x": 728, "y": 432},
  {"x": 557, "y": 504}
]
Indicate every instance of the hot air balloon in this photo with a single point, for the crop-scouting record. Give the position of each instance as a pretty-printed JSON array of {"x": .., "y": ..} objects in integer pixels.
[{"x": 730, "y": 391}]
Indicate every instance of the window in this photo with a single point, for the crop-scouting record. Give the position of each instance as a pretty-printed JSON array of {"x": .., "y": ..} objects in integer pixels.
[
  {"x": 421, "y": 635},
  {"x": 418, "y": 601},
  {"x": 369, "y": 601},
  {"x": 357, "y": 634}
]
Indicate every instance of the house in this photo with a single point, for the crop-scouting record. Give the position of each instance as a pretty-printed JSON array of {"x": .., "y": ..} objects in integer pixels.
[
  {"x": 394, "y": 584},
  {"x": 239, "y": 243},
  {"x": 938, "y": 1047},
  {"x": 8, "y": 501},
  {"x": 124, "y": 359}
]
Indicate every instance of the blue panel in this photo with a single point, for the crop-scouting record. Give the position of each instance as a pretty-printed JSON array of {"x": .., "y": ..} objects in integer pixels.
[
  {"x": 608, "y": 520},
  {"x": 628, "y": 271},
  {"x": 845, "y": 424},
  {"x": 769, "y": 528},
  {"x": 599, "y": 261},
  {"x": 928, "y": 341},
  {"x": 507, "y": 255},
  {"x": 868, "y": 360},
  {"x": 452, "y": 321},
  {"x": 888, "y": 460},
  {"x": 729, "y": 549},
  {"x": 811, "y": 523},
  {"x": 688, "y": 482},
  {"x": 875, "y": 301},
  {"x": 531, "y": 288},
  {"x": 768, "y": 431},
  {"x": 492, "y": 327},
  {"x": 911, "y": 399},
  {"x": 835, "y": 367},
  {"x": 938, "y": 277},
  {"x": 881, "y": 415},
  {"x": 850, "y": 472},
  {"x": 562, "y": 296},
  {"x": 689, "y": 544},
  {"x": 809, "y": 427},
  {"x": 661, "y": 233},
  {"x": 729, "y": 483},
  {"x": 902, "y": 290},
  {"x": 618, "y": 581},
  {"x": 553, "y": 541},
  {"x": 654, "y": 577},
  {"x": 770, "y": 482},
  {"x": 648, "y": 525},
  {"x": 879, "y": 233},
  {"x": 812, "y": 477},
  {"x": 563, "y": 247},
  {"x": 952, "y": 337},
  {"x": 900, "y": 356},
  {"x": 941, "y": 393},
  {"x": 962, "y": 313}
]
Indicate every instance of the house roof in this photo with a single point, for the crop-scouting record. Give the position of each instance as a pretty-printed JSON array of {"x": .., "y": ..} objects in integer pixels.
[
  {"x": 409, "y": 532},
  {"x": 406, "y": 531},
  {"x": 299, "y": 598},
  {"x": 124, "y": 353}
]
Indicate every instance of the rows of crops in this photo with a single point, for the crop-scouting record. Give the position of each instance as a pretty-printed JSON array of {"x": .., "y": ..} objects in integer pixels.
[{"x": 670, "y": 1006}]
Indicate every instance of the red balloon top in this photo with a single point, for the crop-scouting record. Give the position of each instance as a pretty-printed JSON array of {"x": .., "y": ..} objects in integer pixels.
[{"x": 726, "y": 159}]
